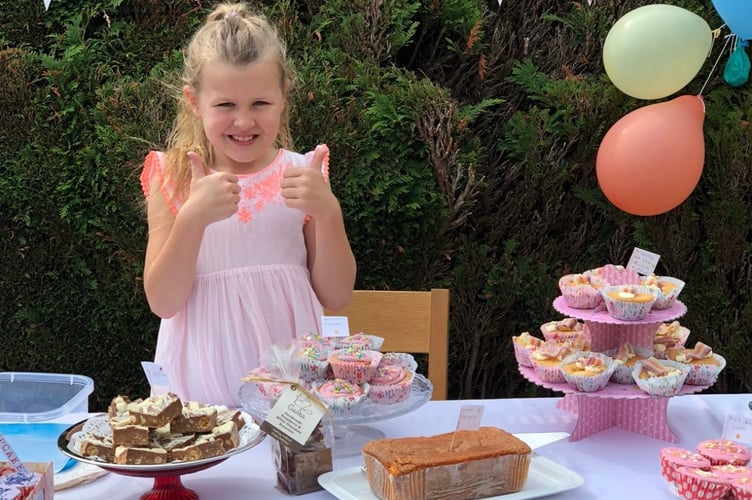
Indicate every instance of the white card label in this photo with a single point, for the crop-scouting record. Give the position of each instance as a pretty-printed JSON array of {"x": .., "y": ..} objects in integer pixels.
[
  {"x": 334, "y": 326},
  {"x": 293, "y": 418},
  {"x": 738, "y": 428},
  {"x": 469, "y": 419},
  {"x": 155, "y": 374},
  {"x": 643, "y": 262}
]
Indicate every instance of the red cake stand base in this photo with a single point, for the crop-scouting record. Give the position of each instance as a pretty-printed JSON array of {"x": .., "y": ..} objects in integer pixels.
[{"x": 169, "y": 488}]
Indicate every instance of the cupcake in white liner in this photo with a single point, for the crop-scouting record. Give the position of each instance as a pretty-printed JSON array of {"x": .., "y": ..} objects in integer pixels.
[
  {"x": 361, "y": 341},
  {"x": 669, "y": 336},
  {"x": 354, "y": 365},
  {"x": 563, "y": 330},
  {"x": 628, "y": 302},
  {"x": 402, "y": 359},
  {"x": 660, "y": 378},
  {"x": 625, "y": 357},
  {"x": 266, "y": 379},
  {"x": 547, "y": 361},
  {"x": 524, "y": 344},
  {"x": 391, "y": 384},
  {"x": 587, "y": 371},
  {"x": 341, "y": 396},
  {"x": 704, "y": 364},
  {"x": 313, "y": 363},
  {"x": 581, "y": 291},
  {"x": 667, "y": 289}
]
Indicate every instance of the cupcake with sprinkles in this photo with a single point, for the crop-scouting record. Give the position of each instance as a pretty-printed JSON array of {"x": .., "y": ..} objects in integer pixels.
[
  {"x": 391, "y": 384},
  {"x": 360, "y": 340},
  {"x": 264, "y": 377},
  {"x": 741, "y": 488},
  {"x": 353, "y": 364},
  {"x": 673, "y": 457},
  {"x": 340, "y": 396},
  {"x": 696, "y": 484},
  {"x": 402, "y": 359},
  {"x": 318, "y": 341},
  {"x": 724, "y": 451},
  {"x": 313, "y": 362}
]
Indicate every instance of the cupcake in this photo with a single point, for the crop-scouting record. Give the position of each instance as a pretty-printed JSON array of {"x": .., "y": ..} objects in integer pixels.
[
  {"x": 673, "y": 457},
  {"x": 546, "y": 360},
  {"x": 628, "y": 302},
  {"x": 625, "y": 357},
  {"x": 667, "y": 289},
  {"x": 354, "y": 365},
  {"x": 402, "y": 359},
  {"x": 390, "y": 384},
  {"x": 267, "y": 388},
  {"x": 581, "y": 291},
  {"x": 696, "y": 484},
  {"x": 361, "y": 341},
  {"x": 524, "y": 344},
  {"x": 729, "y": 472},
  {"x": 741, "y": 487},
  {"x": 340, "y": 395},
  {"x": 314, "y": 339},
  {"x": 587, "y": 372},
  {"x": 563, "y": 330},
  {"x": 668, "y": 336},
  {"x": 313, "y": 363},
  {"x": 724, "y": 451},
  {"x": 704, "y": 364},
  {"x": 611, "y": 274},
  {"x": 659, "y": 378}
]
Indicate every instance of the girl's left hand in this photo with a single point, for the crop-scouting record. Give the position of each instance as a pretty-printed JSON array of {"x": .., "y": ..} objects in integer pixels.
[{"x": 305, "y": 189}]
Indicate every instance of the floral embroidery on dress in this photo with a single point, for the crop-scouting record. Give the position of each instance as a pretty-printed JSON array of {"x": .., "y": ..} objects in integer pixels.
[{"x": 260, "y": 193}]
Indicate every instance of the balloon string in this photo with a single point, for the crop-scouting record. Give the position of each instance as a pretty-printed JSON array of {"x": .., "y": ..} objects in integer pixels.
[{"x": 723, "y": 50}]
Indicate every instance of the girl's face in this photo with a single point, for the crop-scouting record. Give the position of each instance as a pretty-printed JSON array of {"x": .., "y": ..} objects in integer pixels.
[{"x": 240, "y": 108}]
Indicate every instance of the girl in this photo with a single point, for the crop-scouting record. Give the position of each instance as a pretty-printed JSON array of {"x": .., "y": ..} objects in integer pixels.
[{"x": 246, "y": 240}]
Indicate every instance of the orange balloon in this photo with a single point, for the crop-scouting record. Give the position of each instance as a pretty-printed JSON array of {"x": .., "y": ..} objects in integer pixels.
[{"x": 650, "y": 161}]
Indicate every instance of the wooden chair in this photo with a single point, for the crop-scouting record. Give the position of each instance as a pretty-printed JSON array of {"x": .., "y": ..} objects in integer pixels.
[{"x": 409, "y": 321}]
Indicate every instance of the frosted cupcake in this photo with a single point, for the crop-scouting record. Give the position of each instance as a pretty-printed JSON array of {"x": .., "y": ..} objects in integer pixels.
[
  {"x": 340, "y": 395},
  {"x": 668, "y": 336},
  {"x": 741, "y": 488},
  {"x": 628, "y": 302},
  {"x": 318, "y": 341},
  {"x": 391, "y": 384},
  {"x": 563, "y": 330},
  {"x": 547, "y": 360},
  {"x": 361, "y": 341},
  {"x": 724, "y": 451},
  {"x": 587, "y": 372},
  {"x": 354, "y": 365},
  {"x": 402, "y": 359},
  {"x": 696, "y": 484},
  {"x": 581, "y": 291},
  {"x": 269, "y": 389},
  {"x": 625, "y": 357},
  {"x": 524, "y": 344},
  {"x": 704, "y": 364},
  {"x": 667, "y": 289},
  {"x": 730, "y": 472},
  {"x": 662, "y": 378},
  {"x": 313, "y": 363},
  {"x": 672, "y": 458}
]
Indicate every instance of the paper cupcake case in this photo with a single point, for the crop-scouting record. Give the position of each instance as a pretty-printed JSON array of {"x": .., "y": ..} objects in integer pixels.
[
  {"x": 665, "y": 386},
  {"x": 588, "y": 383},
  {"x": 697, "y": 484},
  {"x": 579, "y": 296},
  {"x": 624, "y": 310},
  {"x": 705, "y": 374},
  {"x": 623, "y": 373},
  {"x": 402, "y": 359},
  {"x": 666, "y": 300},
  {"x": 356, "y": 372},
  {"x": 673, "y": 457},
  {"x": 393, "y": 393},
  {"x": 522, "y": 354},
  {"x": 341, "y": 405}
]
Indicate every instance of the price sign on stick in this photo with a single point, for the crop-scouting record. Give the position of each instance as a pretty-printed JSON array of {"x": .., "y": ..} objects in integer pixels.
[
  {"x": 738, "y": 428},
  {"x": 643, "y": 262},
  {"x": 334, "y": 326},
  {"x": 469, "y": 420},
  {"x": 155, "y": 374}
]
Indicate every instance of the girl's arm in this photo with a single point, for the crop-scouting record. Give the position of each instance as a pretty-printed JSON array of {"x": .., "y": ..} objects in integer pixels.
[{"x": 174, "y": 241}]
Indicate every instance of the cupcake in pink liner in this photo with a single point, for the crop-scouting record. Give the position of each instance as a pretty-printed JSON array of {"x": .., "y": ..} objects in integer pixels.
[
  {"x": 667, "y": 289},
  {"x": 724, "y": 451},
  {"x": 403, "y": 359},
  {"x": 563, "y": 330},
  {"x": 340, "y": 395},
  {"x": 729, "y": 472},
  {"x": 699, "y": 484},
  {"x": 673, "y": 458},
  {"x": 269, "y": 389},
  {"x": 625, "y": 357},
  {"x": 611, "y": 274},
  {"x": 315, "y": 340},
  {"x": 391, "y": 384},
  {"x": 660, "y": 378},
  {"x": 360, "y": 340},
  {"x": 587, "y": 371},
  {"x": 741, "y": 488},
  {"x": 628, "y": 302},
  {"x": 313, "y": 363},
  {"x": 354, "y": 365},
  {"x": 547, "y": 361},
  {"x": 669, "y": 336},
  {"x": 524, "y": 344},
  {"x": 704, "y": 364},
  {"x": 581, "y": 291}
]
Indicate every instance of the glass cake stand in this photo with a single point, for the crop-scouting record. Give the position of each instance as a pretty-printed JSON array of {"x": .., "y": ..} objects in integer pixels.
[
  {"x": 167, "y": 483},
  {"x": 349, "y": 433}
]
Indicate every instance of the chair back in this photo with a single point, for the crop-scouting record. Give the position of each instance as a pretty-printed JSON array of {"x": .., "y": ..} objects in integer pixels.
[{"x": 409, "y": 321}]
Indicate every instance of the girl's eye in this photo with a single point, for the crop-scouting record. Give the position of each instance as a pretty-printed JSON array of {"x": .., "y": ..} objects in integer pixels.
[
  {"x": 225, "y": 105},
  {"x": 260, "y": 103}
]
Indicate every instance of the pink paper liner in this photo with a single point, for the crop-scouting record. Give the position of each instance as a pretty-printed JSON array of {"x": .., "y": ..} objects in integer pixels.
[
  {"x": 672, "y": 458},
  {"x": 666, "y": 386},
  {"x": 615, "y": 275},
  {"x": 705, "y": 374},
  {"x": 724, "y": 451},
  {"x": 666, "y": 300},
  {"x": 344, "y": 404},
  {"x": 692, "y": 487},
  {"x": 549, "y": 373},
  {"x": 579, "y": 296},
  {"x": 354, "y": 372},
  {"x": 628, "y": 311},
  {"x": 390, "y": 394},
  {"x": 399, "y": 358},
  {"x": 741, "y": 488}
]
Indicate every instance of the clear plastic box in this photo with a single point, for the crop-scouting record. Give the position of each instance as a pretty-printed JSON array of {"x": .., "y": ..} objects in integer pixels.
[{"x": 34, "y": 397}]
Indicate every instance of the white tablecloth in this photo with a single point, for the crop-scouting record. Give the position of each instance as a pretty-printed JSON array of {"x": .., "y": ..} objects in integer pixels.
[{"x": 614, "y": 463}]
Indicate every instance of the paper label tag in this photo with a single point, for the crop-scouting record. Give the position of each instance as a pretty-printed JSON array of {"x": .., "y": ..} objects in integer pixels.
[
  {"x": 469, "y": 419},
  {"x": 13, "y": 459},
  {"x": 643, "y": 262},
  {"x": 293, "y": 418},
  {"x": 738, "y": 428},
  {"x": 155, "y": 374},
  {"x": 334, "y": 326}
]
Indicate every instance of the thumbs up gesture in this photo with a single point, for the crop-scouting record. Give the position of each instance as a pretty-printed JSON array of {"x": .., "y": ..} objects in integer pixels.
[
  {"x": 213, "y": 196},
  {"x": 304, "y": 188}
]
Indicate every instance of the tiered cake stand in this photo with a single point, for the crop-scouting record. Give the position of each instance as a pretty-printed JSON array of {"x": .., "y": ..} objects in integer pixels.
[{"x": 618, "y": 405}]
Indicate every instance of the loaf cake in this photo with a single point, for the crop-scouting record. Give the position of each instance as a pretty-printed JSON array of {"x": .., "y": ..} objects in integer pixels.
[{"x": 462, "y": 465}]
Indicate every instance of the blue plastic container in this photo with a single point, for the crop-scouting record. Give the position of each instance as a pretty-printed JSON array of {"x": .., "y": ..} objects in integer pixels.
[{"x": 36, "y": 397}]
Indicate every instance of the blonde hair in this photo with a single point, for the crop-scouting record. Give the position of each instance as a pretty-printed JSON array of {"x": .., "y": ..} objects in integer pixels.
[{"x": 234, "y": 35}]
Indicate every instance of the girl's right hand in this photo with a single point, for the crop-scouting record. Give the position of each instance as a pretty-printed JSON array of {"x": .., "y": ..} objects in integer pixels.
[{"x": 214, "y": 196}]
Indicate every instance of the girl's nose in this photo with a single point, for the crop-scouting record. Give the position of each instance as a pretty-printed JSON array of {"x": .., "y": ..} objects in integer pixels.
[{"x": 245, "y": 119}]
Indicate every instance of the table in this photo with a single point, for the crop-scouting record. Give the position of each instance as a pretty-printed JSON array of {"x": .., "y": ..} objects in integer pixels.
[{"x": 615, "y": 463}]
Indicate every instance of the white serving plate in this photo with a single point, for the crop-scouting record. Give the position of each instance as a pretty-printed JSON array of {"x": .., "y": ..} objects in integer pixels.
[{"x": 544, "y": 478}]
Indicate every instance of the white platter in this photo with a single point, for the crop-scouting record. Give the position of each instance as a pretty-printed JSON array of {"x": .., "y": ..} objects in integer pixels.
[{"x": 544, "y": 478}]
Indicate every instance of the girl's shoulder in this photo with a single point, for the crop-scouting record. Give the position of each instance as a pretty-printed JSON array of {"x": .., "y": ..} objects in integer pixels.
[{"x": 155, "y": 167}]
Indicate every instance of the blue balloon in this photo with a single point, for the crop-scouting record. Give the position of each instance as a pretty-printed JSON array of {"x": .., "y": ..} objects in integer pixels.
[{"x": 737, "y": 14}]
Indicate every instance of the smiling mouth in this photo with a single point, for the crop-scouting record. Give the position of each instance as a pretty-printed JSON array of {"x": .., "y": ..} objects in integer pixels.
[{"x": 243, "y": 138}]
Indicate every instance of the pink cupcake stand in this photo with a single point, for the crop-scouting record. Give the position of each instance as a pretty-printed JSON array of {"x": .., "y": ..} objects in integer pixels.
[{"x": 618, "y": 405}]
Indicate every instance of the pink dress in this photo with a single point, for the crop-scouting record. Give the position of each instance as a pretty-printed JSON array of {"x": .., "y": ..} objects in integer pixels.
[{"x": 252, "y": 288}]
